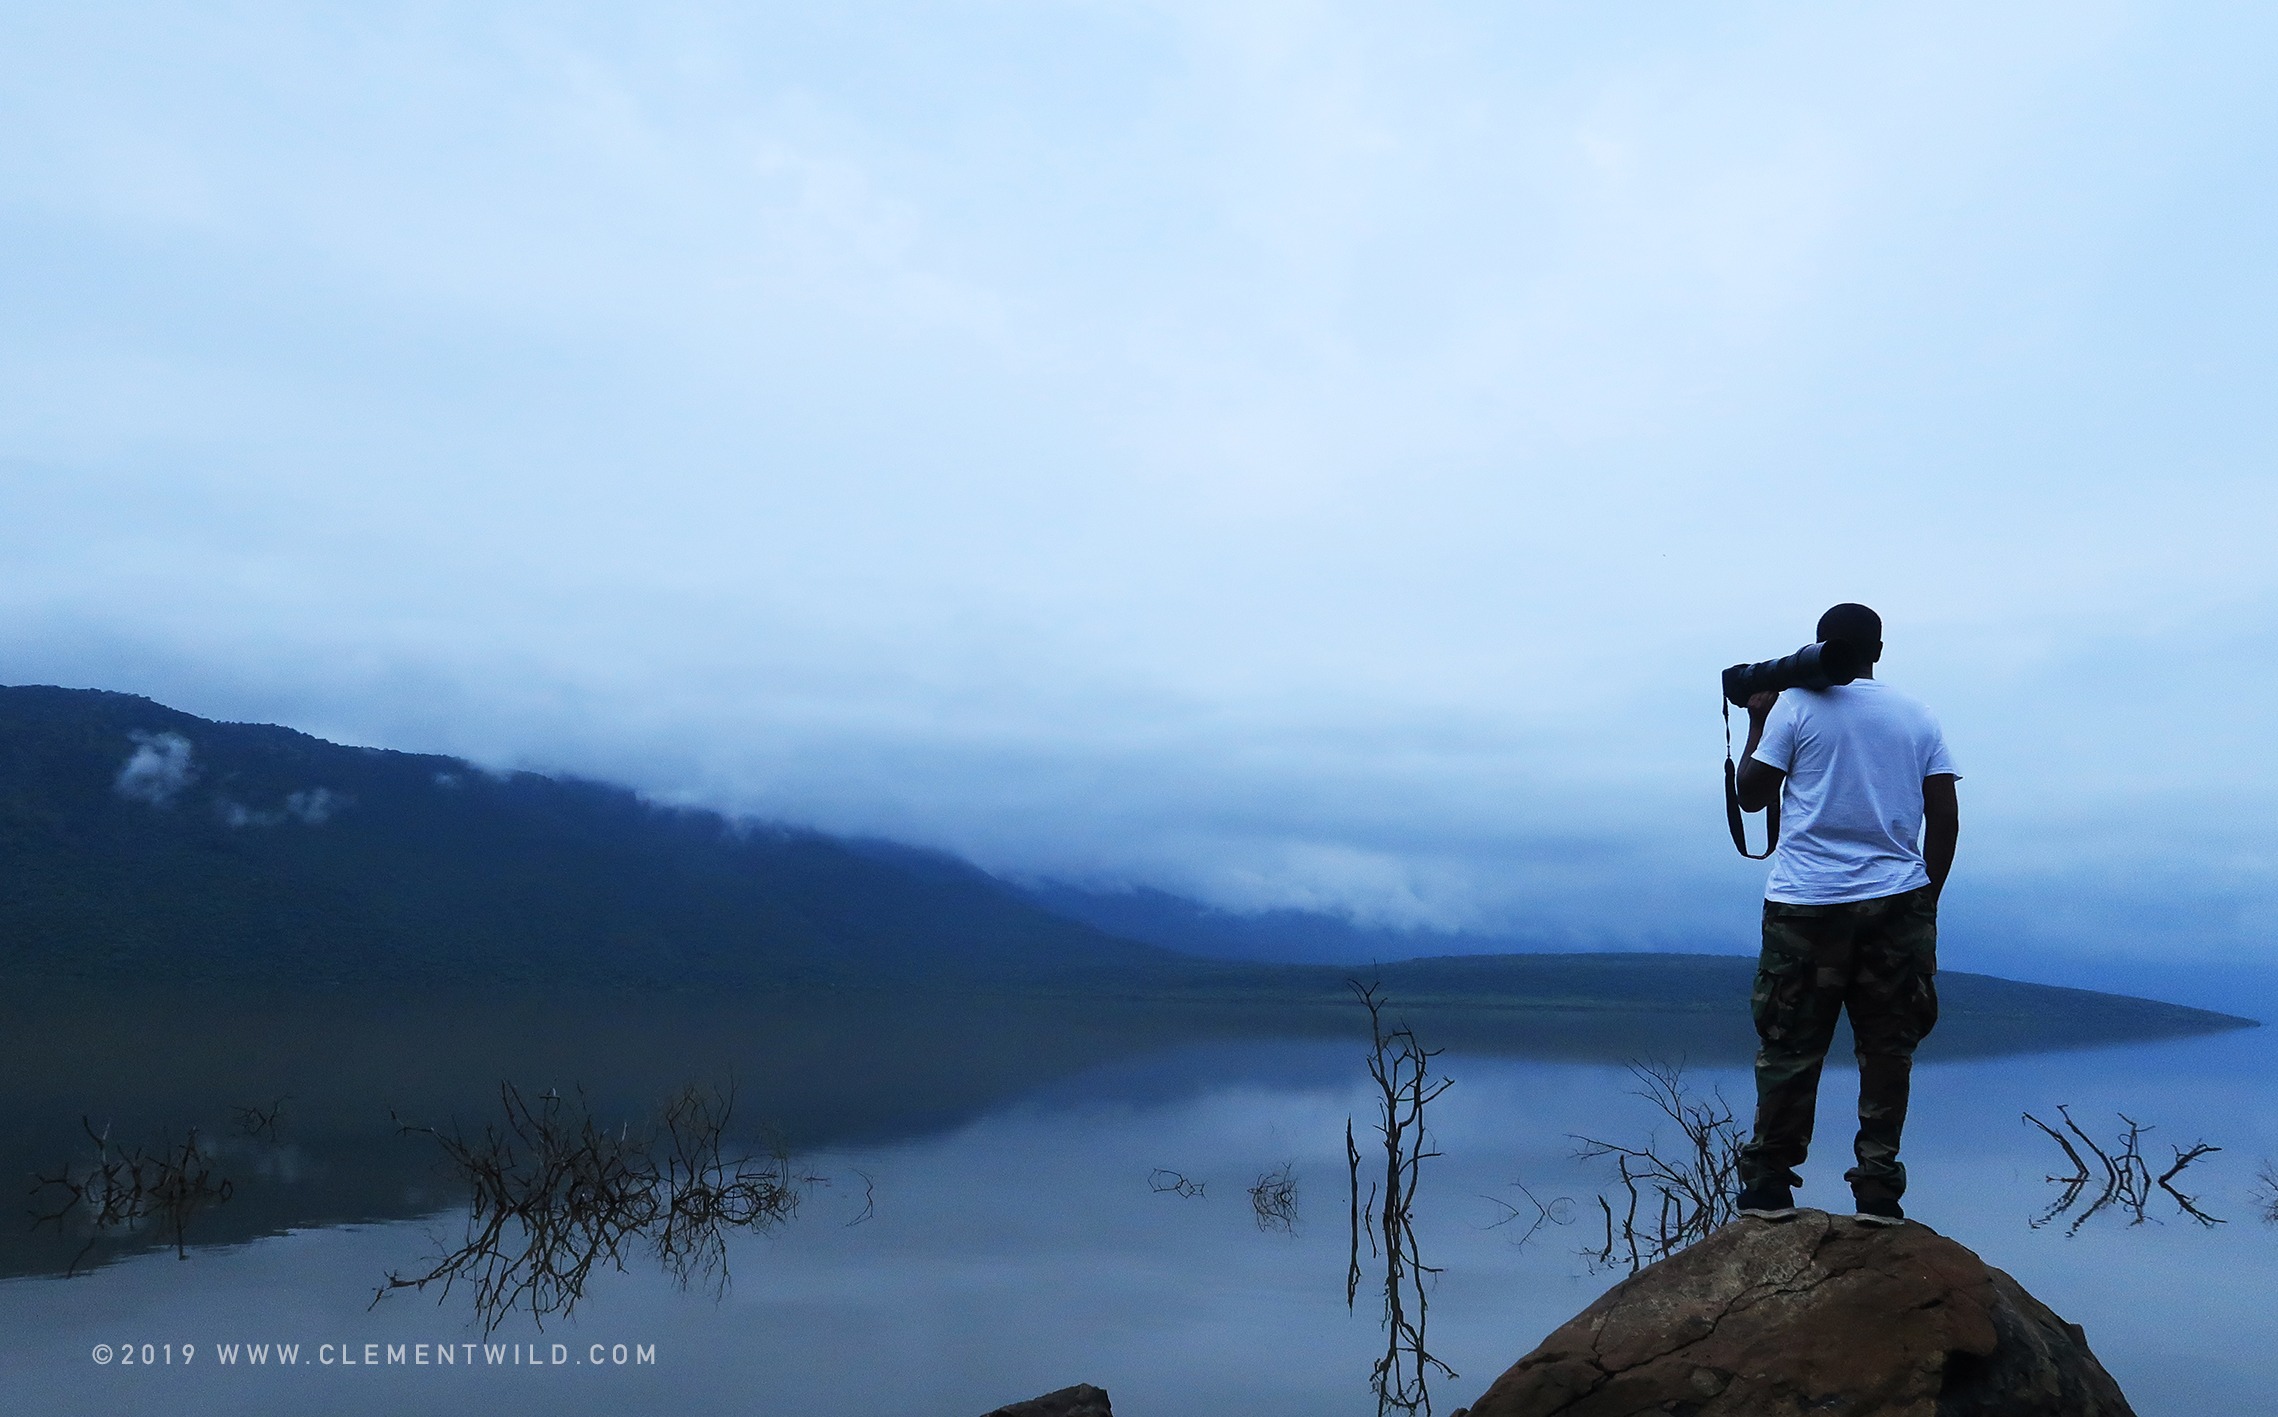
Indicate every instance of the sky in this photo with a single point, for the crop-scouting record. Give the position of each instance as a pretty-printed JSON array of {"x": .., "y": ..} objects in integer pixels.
[{"x": 1296, "y": 455}]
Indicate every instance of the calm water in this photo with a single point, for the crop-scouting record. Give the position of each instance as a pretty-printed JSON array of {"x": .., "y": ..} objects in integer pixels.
[{"x": 974, "y": 1242}]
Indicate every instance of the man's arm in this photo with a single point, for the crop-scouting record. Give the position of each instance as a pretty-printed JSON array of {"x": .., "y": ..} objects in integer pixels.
[
  {"x": 1941, "y": 828},
  {"x": 1759, "y": 782}
]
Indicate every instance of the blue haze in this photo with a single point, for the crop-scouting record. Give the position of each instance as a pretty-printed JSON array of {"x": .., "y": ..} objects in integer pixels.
[{"x": 1302, "y": 457}]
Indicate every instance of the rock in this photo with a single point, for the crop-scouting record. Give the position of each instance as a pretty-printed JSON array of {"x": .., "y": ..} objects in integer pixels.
[
  {"x": 1082, "y": 1400},
  {"x": 1820, "y": 1315}
]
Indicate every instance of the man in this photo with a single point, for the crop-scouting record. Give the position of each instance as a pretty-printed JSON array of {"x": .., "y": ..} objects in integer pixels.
[{"x": 1850, "y": 913}]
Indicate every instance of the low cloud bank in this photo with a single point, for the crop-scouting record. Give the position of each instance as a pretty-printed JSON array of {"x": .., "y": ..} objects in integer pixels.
[{"x": 158, "y": 770}]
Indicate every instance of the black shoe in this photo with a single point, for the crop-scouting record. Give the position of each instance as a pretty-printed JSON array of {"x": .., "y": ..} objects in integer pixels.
[
  {"x": 1767, "y": 1200},
  {"x": 1880, "y": 1210}
]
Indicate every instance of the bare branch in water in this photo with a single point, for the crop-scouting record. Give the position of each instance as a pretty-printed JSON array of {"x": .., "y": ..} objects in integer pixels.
[
  {"x": 2189, "y": 1204},
  {"x": 1352, "y": 1181},
  {"x": 556, "y": 1195},
  {"x": 2266, "y": 1191},
  {"x": 2128, "y": 1183},
  {"x": 1401, "y": 1068},
  {"x": 869, "y": 1198},
  {"x": 128, "y": 1189},
  {"x": 1274, "y": 1199},
  {"x": 1685, "y": 1191},
  {"x": 260, "y": 1122},
  {"x": 1558, "y": 1211},
  {"x": 1164, "y": 1181}
]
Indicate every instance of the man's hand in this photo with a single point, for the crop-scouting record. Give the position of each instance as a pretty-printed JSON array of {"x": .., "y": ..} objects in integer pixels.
[
  {"x": 1759, "y": 782},
  {"x": 1941, "y": 828}
]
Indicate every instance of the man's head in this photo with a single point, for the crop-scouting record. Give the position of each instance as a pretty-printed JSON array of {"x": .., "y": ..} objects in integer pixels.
[{"x": 1856, "y": 624}]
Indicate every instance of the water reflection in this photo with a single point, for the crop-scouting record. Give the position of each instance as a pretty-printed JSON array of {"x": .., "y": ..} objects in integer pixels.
[
  {"x": 831, "y": 1069},
  {"x": 869, "y": 1198},
  {"x": 259, "y": 1122},
  {"x": 129, "y": 1190},
  {"x": 1273, "y": 1199},
  {"x": 2126, "y": 1186},
  {"x": 1401, "y": 1069},
  {"x": 1020, "y": 1246},
  {"x": 1537, "y": 1213},
  {"x": 1670, "y": 1195},
  {"x": 1164, "y": 1181},
  {"x": 2265, "y": 1193},
  {"x": 557, "y": 1194}
]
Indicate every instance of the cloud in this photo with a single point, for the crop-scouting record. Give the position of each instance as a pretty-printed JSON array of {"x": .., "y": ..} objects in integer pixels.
[
  {"x": 316, "y": 805},
  {"x": 312, "y": 807},
  {"x": 158, "y": 769},
  {"x": 1305, "y": 455}
]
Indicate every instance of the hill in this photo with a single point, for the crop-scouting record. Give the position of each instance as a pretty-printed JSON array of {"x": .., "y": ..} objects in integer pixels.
[
  {"x": 1264, "y": 936},
  {"x": 141, "y": 843}
]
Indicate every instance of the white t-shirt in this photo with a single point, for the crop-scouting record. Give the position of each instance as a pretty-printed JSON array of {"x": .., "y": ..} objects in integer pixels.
[{"x": 1851, "y": 808}]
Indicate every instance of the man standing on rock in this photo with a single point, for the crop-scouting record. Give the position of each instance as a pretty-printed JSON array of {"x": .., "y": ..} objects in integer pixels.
[{"x": 1861, "y": 773}]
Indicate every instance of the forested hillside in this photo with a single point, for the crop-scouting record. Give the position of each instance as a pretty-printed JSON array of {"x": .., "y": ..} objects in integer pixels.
[{"x": 138, "y": 842}]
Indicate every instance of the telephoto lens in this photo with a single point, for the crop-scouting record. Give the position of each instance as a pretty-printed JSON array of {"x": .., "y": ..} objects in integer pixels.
[{"x": 1820, "y": 666}]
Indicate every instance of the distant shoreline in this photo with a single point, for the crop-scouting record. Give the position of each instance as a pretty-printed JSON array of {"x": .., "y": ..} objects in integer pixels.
[{"x": 1558, "y": 1004}]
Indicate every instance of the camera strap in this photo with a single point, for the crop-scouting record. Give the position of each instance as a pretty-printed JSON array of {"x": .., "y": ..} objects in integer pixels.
[{"x": 1732, "y": 816}]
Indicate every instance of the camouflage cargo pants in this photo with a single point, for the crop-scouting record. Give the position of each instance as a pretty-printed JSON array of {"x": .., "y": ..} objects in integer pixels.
[{"x": 1876, "y": 958}]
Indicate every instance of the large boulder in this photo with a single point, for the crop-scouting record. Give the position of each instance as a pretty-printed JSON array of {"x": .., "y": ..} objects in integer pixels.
[
  {"x": 1082, "y": 1400},
  {"x": 1817, "y": 1314}
]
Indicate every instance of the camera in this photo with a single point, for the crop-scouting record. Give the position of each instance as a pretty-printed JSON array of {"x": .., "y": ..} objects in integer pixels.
[{"x": 1820, "y": 666}]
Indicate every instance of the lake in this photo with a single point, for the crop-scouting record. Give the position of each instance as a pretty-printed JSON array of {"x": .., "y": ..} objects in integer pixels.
[{"x": 998, "y": 1199}]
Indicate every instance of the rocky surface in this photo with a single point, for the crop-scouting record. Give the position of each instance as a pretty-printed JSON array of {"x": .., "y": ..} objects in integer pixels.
[
  {"x": 1082, "y": 1400},
  {"x": 1817, "y": 1314}
]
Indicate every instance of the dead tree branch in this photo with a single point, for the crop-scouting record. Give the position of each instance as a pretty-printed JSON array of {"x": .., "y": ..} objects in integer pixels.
[
  {"x": 556, "y": 1195},
  {"x": 2128, "y": 1185},
  {"x": 1686, "y": 1192},
  {"x": 1401, "y": 1069},
  {"x": 130, "y": 1189}
]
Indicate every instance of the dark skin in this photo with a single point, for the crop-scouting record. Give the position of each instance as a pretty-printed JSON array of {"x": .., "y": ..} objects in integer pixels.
[{"x": 1941, "y": 813}]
